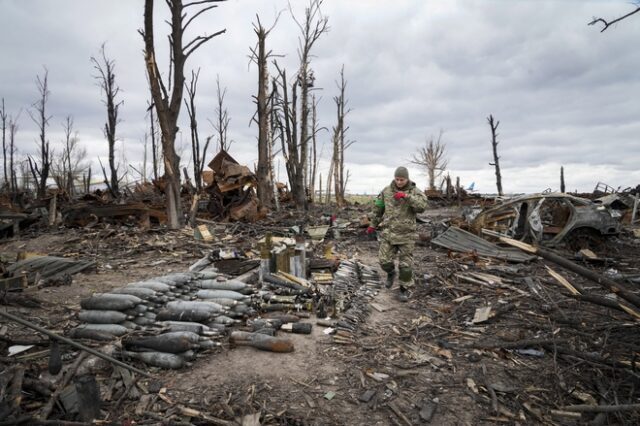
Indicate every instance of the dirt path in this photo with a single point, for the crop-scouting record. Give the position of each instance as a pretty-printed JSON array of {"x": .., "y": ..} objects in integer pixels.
[
  {"x": 298, "y": 382},
  {"x": 319, "y": 384}
]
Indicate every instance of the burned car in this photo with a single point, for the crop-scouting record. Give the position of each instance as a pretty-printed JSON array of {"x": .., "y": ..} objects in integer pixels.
[{"x": 550, "y": 219}]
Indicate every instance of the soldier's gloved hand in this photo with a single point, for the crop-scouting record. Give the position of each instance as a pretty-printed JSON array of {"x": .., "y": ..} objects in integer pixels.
[
  {"x": 371, "y": 230},
  {"x": 399, "y": 195}
]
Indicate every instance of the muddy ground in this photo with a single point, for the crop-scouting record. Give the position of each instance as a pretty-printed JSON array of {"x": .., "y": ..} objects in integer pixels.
[{"x": 541, "y": 352}]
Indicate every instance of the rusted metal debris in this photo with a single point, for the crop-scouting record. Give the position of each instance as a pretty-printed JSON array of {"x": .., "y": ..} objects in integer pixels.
[
  {"x": 549, "y": 219},
  {"x": 48, "y": 268},
  {"x": 462, "y": 241},
  {"x": 85, "y": 214},
  {"x": 232, "y": 190}
]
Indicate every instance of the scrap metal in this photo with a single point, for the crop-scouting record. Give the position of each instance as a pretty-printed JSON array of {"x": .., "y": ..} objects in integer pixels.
[{"x": 462, "y": 241}]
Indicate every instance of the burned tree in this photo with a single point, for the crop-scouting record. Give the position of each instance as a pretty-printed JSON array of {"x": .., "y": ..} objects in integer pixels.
[
  {"x": 13, "y": 176},
  {"x": 259, "y": 56},
  {"x": 432, "y": 158},
  {"x": 340, "y": 144},
  {"x": 3, "y": 120},
  {"x": 68, "y": 165},
  {"x": 221, "y": 124},
  {"x": 494, "y": 144},
  {"x": 273, "y": 134},
  {"x": 312, "y": 28},
  {"x": 40, "y": 169},
  {"x": 314, "y": 158},
  {"x": 196, "y": 155},
  {"x": 286, "y": 118},
  {"x": 154, "y": 144},
  {"x": 167, "y": 104},
  {"x": 606, "y": 24},
  {"x": 107, "y": 82},
  {"x": 562, "y": 187}
]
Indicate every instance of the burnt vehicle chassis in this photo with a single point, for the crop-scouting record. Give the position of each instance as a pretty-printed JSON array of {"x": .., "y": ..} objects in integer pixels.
[{"x": 550, "y": 219}]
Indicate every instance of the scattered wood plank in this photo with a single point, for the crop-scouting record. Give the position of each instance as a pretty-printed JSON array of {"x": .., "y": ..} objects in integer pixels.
[
  {"x": 481, "y": 314},
  {"x": 605, "y": 282},
  {"x": 378, "y": 307}
]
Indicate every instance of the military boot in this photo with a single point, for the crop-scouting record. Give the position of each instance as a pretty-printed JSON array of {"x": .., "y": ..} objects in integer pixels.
[
  {"x": 390, "y": 277},
  {"x": 404, "y": 294}
]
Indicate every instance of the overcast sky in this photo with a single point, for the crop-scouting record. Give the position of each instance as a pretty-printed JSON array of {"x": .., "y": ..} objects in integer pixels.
[{"x": 565, "y": 94}]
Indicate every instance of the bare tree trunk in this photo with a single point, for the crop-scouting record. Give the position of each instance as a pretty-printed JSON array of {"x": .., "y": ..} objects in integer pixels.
[
  {"x": 39, "y": 116},
  {"x": 494, "y": 144},
  {"x": 562, "y": 187},
  {"x": 330, "y": 179},
  {"x": 265, "y": 186},
  {"x": 340, "y": 144},
  {"x": 106, "y": 178},
  {"x": 289, "y": 137},
  {"x": 144, "y": 159},
  {"x": 222, "y": 119},
  {"x": 187, "y": 181},
  {"x": 67, "y": 167},
  {"x": 87, "y": 185},
  {"x": 193, "y": 125},
  {"x": 154, "y": 143},
  {"x": 53, "y": 210},
  {"x": 13, "y": 176},
  {"x": 313, "y": 27},
  {"x": 314, "y": 149},
  {"x": 273, "y": 119},
  {"x": 3, "y": 119},
  {"x": 107, "y": 80},
  {"x": 168, "y": 106},
  {"x": 203, "y": 155}
]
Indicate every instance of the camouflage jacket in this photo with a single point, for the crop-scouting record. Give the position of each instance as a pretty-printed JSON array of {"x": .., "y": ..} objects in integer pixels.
[{"x": 396, "y": 219}]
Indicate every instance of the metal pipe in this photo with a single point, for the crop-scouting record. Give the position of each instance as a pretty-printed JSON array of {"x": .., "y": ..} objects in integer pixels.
[{"x": 72, "y": 343}]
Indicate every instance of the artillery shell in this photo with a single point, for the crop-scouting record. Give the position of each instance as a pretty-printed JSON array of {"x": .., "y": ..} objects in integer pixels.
[
  {"x": 157, "y": 359},
  {"x": 103, "y": 317},
  {"x": 261, "y": 341},
  {"x": 110, "y": 302},
  {"x": 142, "y": 293},
  {"x": 153, "y": 285},
  {"x": 114, "y": 329},
  {"x": 222, "y": 294},
  {"x": 297, "y": 327},
  {"x": 172, "y": 342}
]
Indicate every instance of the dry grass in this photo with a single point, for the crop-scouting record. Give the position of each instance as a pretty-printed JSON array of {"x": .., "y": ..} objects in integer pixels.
[{"x": 362, "y": 199}]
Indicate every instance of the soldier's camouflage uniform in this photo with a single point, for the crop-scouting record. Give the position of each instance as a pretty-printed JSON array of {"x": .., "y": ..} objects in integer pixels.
[{"x": 396, "y": 221}]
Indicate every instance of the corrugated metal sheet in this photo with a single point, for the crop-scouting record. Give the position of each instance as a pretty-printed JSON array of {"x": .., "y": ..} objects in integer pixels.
[
  {"x": 462, "y": 241},
  {"x": 50, "y": 267}
]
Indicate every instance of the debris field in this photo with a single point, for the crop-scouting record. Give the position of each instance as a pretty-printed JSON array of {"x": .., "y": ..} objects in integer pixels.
[{"x": 284, "y": 320}]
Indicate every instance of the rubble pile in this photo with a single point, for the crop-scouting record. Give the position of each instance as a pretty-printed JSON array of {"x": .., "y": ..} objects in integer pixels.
[
  {"x": 513, "y": 336},
  {"x": 231, "y": 191},
  {"x": 510, "y": 321}
]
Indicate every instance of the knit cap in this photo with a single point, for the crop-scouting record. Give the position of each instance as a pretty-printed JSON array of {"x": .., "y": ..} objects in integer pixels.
[{"x": 402, "y": 172}]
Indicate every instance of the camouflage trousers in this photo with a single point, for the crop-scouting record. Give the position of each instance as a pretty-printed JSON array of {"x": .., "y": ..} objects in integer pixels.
[{"x": 386, "y": 255}]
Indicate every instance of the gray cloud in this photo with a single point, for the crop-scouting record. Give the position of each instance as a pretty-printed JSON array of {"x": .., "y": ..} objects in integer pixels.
[{"x": 563, "y": 91}]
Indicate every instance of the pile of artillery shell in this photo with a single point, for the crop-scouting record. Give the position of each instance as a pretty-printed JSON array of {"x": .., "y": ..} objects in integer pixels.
[
  {"x": 355, "y": 285},
  {"x": 166, "y": 320}
]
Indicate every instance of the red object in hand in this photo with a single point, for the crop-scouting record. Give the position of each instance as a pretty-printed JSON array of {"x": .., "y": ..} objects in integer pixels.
[
  {"x": 371, "y": 230},
  {"x": 399, "y": 195}
]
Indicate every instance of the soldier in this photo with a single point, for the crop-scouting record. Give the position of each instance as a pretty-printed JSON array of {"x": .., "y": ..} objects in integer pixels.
[{"x": 394, "y": 213}]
